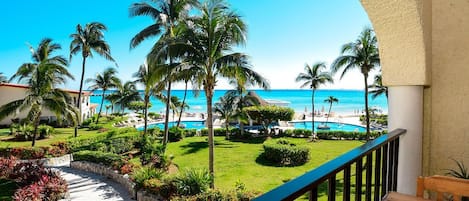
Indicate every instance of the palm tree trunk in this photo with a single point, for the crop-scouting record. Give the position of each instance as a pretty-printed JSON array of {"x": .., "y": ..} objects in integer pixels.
[
  {"x": 36, "y": 125},
  {"x": 367, "y": 112},
  {"x": 227, "y": 125},
  {"x": 241, "y": 123},
  {"x": 312, "y": 117},
  {"x": 182, "y": 105},
  {"x": 329, "y": 113},
  {"x": 209, "y": 96},
  {"x": 79, "y": 95},
  {"x": 101, "y": 107},
  {"x": 145, "y": 111},
  {"x": 166, "y": 117}
]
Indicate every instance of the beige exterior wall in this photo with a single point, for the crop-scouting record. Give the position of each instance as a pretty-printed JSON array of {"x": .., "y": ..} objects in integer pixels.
[
  {"x": 8, "y": 94},
  {"x": 425, "y": 42}
]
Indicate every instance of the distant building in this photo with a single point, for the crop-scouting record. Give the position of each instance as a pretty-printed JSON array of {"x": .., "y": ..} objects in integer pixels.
[{"x": 10, "y": 92}]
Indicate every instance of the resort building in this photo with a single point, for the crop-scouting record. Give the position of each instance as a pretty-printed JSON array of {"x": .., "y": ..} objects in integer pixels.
[
  {"x": 10, "y": 92},
  {"x": 424, "y": 51}
]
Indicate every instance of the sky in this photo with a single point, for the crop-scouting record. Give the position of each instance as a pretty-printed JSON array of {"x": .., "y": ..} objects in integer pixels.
[{"x": 283, "y": 35}]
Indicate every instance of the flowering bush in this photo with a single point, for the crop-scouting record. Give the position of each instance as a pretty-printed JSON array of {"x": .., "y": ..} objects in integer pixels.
[
  {"x": 56, "y": 149},
  {"x": 36, "y": 182}
]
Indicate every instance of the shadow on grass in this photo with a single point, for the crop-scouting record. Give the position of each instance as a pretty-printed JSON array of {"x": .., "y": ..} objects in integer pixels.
[
  {"x": 193, "y": 147},
  {"x": 262, "y": 161},
  {"x": 257, "y": 140}
]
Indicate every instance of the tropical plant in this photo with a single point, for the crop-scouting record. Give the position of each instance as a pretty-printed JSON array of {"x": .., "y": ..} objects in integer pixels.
[
  {"x": 214, "y": 34},
  {"x": 192, "y": 181},
  {"x": 125, "y": 94},
  {"x": 267, "y": 114},
  {"x": 43, "y": 75},
  {"x": 107, "y": 107},
  {"x": 86, "y": 40},
  {"x": 3, "y": 78},
  {"x": 364, "y": 55},
  {"x": 137, "y": 106},
  {"x": 241, "y": 81},
  {"x": 227, "y": 108},
  {"x": 104, "y": 81},
  {"x": 461, "y": 172},
  {"x": 377, "y": 88},
  {"x": 147, "y": 76},
  {"x": 185, "y": 75},
  {"x": 330, "y": 100},
  {"x": 166, "y": 16},
  {"x": 313, "y": 77}
]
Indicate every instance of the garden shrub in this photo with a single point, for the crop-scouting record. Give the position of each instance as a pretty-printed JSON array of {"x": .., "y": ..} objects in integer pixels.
[
  {"x": 175, "y": 134},
  {"x": 24, "y": 132},
  {"x": 34, "y": 181},
  {"x": 45, "y": 131},
  {"x": 220, "y": 131},
  {"x": 107, "y": 159},
  {"x": 218, "y": 195},
  {"x": 153, "y": 153},
  {"x": 190, "y": 132},
  {"x": 192, "y": 181},
  {"x": 282, "y": 152},
  {"x": 348, "y": 135},
  {"x": 301, "y": 132},
  {"x": 94, "y": 126},
  {"x": 154, "y": 131},
  {"x": 143, "y": 174}
]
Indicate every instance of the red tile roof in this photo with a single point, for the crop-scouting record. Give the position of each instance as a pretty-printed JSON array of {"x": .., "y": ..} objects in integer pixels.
[{"x": 27, "y": 86}]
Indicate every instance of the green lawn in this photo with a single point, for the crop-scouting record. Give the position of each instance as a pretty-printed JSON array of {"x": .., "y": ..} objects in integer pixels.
[
  {"x": 62, "y": 134},
  {"x": 240, "y": 160}
]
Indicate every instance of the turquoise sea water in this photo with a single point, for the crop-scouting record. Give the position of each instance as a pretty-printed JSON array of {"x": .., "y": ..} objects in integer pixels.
[{"x": 299, "y": 100}]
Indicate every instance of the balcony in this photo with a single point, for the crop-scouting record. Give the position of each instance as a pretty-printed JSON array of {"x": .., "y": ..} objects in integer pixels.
[{"x": 371, "y": 167}]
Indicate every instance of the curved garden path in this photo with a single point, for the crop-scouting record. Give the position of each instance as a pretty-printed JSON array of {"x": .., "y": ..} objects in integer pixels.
[{"x": 86, "y": 186}]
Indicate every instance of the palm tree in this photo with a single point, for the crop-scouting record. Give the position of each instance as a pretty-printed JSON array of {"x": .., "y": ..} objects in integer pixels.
[
  {"x": 185, "y": 75},
  {"x": 215, "y": 33},
  {"x": 3, "y": 78},
  {"x": 150, "y": 80},
  {"x": 107, "y": 107},
  {"x": 377, "y": 88},
  {"x": 330, "y": 100},
  {"x": 241, "y": 81},
  {"x": 364, "y": 55},
  {"x": 86, "y": 40},
  {"x": 43, "y": 75},
  {"x": 314, "y": 77},
  {"x": 104, "y": 81},
  {"x": 125, "y": 94},
  {"x": 166, "y": 14},
  {"x": 227, "y": 108}
]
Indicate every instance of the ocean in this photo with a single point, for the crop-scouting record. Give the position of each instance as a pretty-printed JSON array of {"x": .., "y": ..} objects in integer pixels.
[{"x": 350, "y": 101}]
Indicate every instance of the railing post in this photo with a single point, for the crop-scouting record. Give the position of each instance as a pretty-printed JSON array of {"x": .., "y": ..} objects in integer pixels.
[
  {"x": 358, "y": 180},
  {"x": 346, "y": 190}
]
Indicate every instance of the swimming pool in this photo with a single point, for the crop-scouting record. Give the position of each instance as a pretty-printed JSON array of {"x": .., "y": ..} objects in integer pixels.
[
  {"x": 332, "y": 125},
  {"x": 188, "y": 124}
]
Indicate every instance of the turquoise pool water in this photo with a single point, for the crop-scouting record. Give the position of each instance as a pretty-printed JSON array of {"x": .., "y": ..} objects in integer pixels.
[
  {"x": 305, "y": 125},
  {"x": 333, "y": 126},
  {"x": 187, "y": 124}
]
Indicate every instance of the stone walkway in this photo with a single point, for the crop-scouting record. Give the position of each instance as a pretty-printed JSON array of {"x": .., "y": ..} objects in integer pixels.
[{"x": 85, "y": 186}]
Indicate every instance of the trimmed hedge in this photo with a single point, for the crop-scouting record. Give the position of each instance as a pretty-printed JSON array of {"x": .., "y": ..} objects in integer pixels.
[
  {"x": 282, "y": 152},
  {"x": 113, "y": 142},
  {"x": 108, "y": 159},
  {"x": 348, "y": 135}
]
